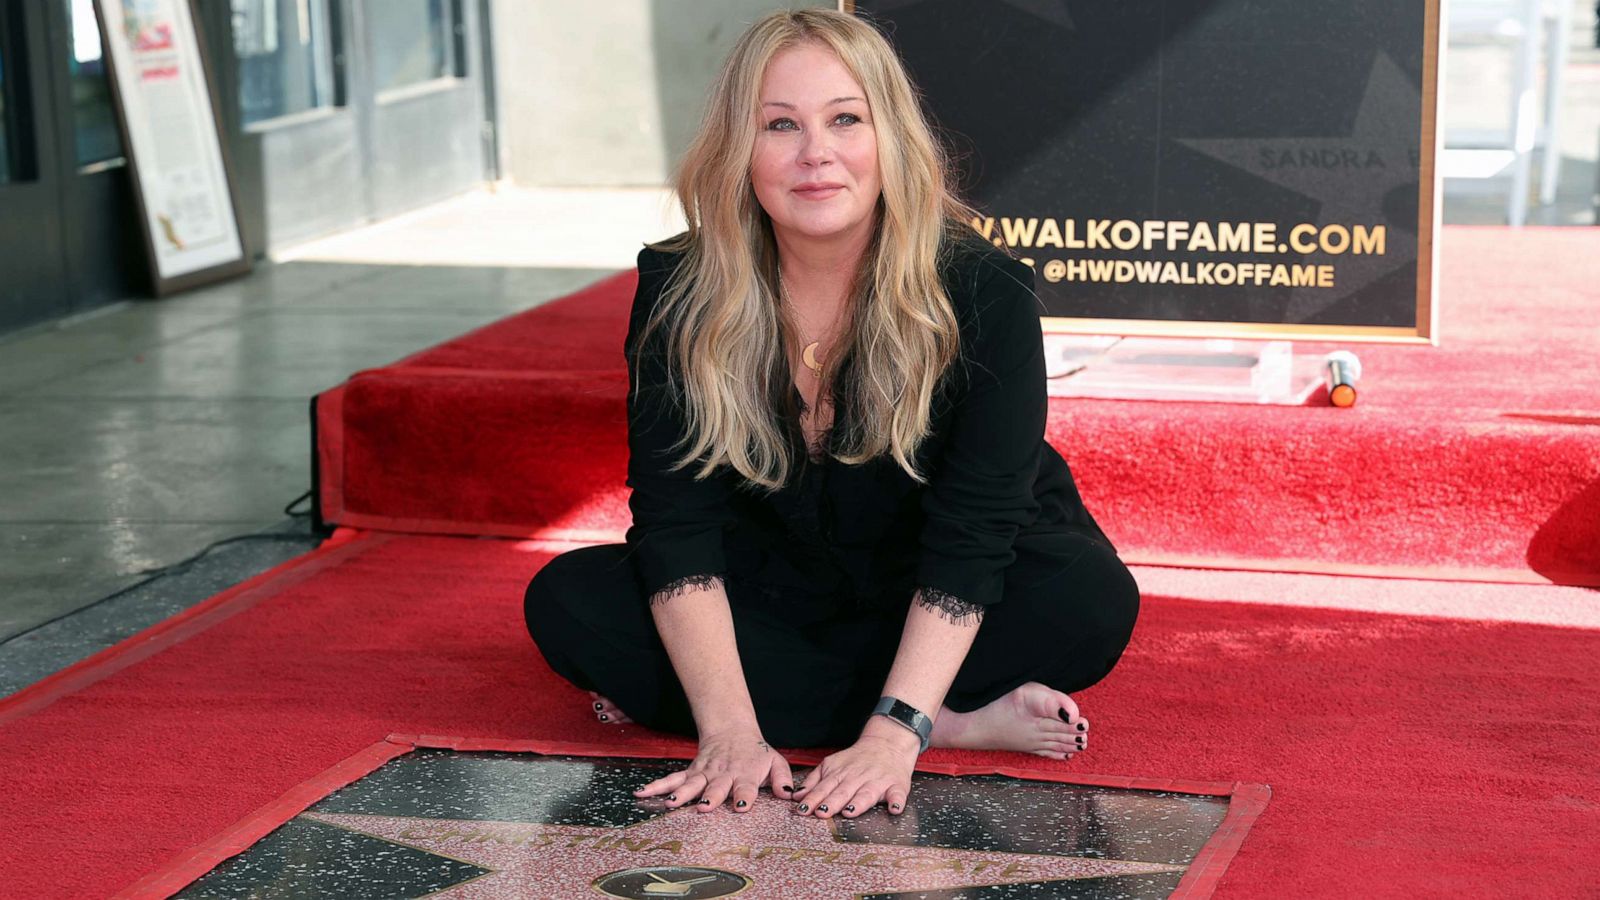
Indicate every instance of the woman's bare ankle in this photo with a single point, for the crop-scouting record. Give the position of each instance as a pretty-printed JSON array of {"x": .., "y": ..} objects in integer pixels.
[{"x": 949, "y": 728}]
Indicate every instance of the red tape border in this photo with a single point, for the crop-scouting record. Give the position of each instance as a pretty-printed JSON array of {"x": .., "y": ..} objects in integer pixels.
[{"x": 1246, "y": 802}]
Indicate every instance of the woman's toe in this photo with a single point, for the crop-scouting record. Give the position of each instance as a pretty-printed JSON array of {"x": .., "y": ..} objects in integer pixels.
[
  {"x": 1046, "y": 702},
  {"x": 1058, "y": 730},
  {"x": 608, "y": 712},
  {"x": 1067, "y": 708}
]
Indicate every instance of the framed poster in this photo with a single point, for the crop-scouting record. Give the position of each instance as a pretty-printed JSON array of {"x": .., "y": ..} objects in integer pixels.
[
  {"x": 1177, "y": 168},
  {"x": 180, "y": 171}
]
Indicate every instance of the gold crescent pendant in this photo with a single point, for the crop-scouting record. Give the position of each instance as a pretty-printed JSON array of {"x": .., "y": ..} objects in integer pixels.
[{"x": 809, "y": 356}]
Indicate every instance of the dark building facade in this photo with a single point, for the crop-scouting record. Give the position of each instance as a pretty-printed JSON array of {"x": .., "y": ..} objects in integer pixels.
[{"x": 335, "y": 113}]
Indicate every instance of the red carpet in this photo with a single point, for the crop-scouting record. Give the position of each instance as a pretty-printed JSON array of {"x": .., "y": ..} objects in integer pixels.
[
  {"x": 1479, "y": 459},
  {"x": 1407, "y": 756}
]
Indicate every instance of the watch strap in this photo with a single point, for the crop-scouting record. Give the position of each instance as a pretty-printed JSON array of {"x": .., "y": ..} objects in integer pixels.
[{"x": 908, "y": 716}]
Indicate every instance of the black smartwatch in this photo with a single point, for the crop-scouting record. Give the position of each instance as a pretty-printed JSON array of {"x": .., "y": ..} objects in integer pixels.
[{"x": 908, "y": 716}]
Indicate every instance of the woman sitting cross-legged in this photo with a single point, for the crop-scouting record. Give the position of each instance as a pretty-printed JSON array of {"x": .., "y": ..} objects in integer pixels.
[{"x": 848, "y": 528}]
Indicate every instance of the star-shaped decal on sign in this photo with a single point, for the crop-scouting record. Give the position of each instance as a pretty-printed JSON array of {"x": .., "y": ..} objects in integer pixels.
[
  {"x": 1350, "y": 175},
  {"x": 1052, "y": 11},
  {"x": 768, "y": 852}
]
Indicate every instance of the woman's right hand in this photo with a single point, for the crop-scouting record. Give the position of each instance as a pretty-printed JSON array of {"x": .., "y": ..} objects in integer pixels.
[{"x": 730, "y": 766}]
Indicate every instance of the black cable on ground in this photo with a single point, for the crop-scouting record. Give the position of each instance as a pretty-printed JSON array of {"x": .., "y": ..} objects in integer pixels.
[
  {"x": 289, "y": 510},
  {"x": 176, "y": 568}
]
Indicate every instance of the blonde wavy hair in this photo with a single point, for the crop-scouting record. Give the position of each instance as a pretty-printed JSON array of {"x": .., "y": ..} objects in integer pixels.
[{"x": 727, "y": 332}]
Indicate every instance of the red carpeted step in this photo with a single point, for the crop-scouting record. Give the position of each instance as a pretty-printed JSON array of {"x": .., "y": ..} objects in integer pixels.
[
  {"x": 421, "y": 450},
  {"x": 1479, "y": 459},
  {"x": 1408, "y": 756}
]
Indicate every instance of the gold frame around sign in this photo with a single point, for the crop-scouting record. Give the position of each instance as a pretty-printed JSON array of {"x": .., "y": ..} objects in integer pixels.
[{"x": 1426, "y": 330}]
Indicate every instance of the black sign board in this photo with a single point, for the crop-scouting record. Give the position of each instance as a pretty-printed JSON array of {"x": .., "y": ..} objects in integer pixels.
[{"x": 1226, "y": 168}]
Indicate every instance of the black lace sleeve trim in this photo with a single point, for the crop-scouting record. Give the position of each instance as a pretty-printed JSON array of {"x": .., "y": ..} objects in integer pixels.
[
  {"x": 950, "y": 607},
  {"x": 681, "y": 586}
]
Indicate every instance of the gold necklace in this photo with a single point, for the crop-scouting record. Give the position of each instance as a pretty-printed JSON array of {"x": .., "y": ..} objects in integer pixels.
[{"x": 809, "y": 354}]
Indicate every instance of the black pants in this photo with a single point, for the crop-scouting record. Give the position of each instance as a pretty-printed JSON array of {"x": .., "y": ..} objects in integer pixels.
[{"x": 814, "y": 675}]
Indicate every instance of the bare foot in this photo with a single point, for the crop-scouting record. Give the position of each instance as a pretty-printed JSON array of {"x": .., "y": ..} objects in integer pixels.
[
  {"x": 606, "y": 711},
  {"x": 1033, "y": 719}
]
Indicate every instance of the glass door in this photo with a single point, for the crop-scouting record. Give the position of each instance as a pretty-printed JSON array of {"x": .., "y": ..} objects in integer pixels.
[
  {"x": 96, "y": 140},
  {"x": 412, "y": 44},
  {"x": 103, "y": 245},
  {"x": 32, "y": 266},
  {"x": 360, "y": 108},
  {"x": 426, "y": 102},
  {"x": 285, "y": 55},
  {"x": 291, "y": 82},
  {"x": 5, "y": 121}
]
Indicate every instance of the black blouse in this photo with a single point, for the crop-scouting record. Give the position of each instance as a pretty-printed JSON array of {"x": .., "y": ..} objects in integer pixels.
[{"x": 844, "y": 535}]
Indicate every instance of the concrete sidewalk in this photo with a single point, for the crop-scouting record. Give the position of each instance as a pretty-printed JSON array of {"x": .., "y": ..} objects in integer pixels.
[{"x": 136, "y": 436}]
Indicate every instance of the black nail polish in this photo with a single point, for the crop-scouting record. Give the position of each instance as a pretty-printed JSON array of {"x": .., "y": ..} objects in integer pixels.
[
  {"x": 895, "y": 807},
  {"x": 850, "y": 808},
  {"x": 789, "y": 788},
  {"x": 804, "y": 808},
  {"x": 706, "y": 801},
  {"x": 599, "y": 706},
  {"x": 672, "y": 796},
  {"x": 604, "y": 717},
  {"x": 1082, "y": 727},
  {"x": 741, "y": 804},
  {"x": 822, "y": 808},
  {"x": 1062, "y": 714}
]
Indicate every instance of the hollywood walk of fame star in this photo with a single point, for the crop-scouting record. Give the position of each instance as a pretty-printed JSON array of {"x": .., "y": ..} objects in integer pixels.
[
  {"x": 1349, "y": 175},
  {"x": 1052, "y": 11},
  {"x": 780, "y": 854}
]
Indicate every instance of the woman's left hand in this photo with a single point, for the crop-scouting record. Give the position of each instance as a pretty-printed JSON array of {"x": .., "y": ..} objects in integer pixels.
[{"x": 875, "y": 769}]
